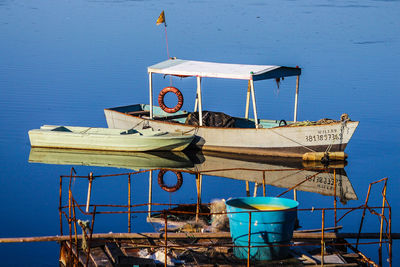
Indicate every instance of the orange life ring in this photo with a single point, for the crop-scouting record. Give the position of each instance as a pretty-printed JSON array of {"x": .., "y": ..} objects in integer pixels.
[
  {"x": 171, "y": 189},
  {"x": 161, "y": 99}
]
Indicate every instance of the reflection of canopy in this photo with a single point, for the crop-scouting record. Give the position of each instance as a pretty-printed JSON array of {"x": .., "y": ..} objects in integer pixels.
[
  {"x": 181, "y": 67},
  {"x": 280, "y": 174}
]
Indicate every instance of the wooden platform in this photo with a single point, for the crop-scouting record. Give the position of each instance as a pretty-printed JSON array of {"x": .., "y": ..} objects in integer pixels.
[{"x": 192, "y": 252}]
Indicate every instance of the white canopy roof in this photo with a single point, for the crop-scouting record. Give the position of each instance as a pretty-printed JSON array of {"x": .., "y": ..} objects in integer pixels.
[{"x": 181, "y": 67}]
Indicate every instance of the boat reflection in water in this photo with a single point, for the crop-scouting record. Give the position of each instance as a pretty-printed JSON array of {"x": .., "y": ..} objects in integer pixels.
[
  {"x": 126, "y": 160},
  {"x": 289, "y": 173}
]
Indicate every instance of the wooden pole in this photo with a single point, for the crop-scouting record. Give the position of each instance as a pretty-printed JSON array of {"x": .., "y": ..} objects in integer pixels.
[
  {"x": 264, "y": 185},
  {"x": 59, "y": 207},
  {"x": 201, "y": 185},
  {"x": 381, "y": 226},
  {"x": 255, "y": 189},
  {"x": 364, "y": 210},
  {"x": 249, "y": 244},
  {"x": 390, "y": 236},
  {"x": 129, "y": 203},
  {"x": 90, "y": 236},
  {"x": 89, "y": 192},
  {"x": 75, "y": 220},
  {"x": 70, "y": 213},
  {"x": 150, "y": 192},
  {"x": 334, "y": 196},
  {"x": 296, "y": 235},
  {"x": 198, "y": 195},
  {"x": 166, "y": 237},
  {"x": 70, "y": 209}
]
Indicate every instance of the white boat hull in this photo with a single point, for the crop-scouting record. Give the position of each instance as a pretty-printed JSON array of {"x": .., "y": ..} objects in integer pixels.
[{"x": 286, "y": 141}]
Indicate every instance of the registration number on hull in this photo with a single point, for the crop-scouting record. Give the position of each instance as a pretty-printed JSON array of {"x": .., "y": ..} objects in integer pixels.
[{"x": 323, "y": 137}]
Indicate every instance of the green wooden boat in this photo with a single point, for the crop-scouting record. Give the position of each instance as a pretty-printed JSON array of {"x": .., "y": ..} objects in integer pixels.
[{"x": 106, "y": 139}]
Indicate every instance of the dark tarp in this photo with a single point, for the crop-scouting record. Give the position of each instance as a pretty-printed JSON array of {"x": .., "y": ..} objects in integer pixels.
[{"x": 210, "y": 118}]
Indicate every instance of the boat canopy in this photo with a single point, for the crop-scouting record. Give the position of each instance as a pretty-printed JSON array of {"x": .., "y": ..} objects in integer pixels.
[
  {"x": 180, "y": 67},
  {"x": 200, "y": 69}
]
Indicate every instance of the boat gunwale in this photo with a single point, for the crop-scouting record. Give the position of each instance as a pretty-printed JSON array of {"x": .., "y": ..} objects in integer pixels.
[
  {"x": 233, "y": 128},
  {"x": 106, "y": 150},
  {"x": 120, "y": 136}
]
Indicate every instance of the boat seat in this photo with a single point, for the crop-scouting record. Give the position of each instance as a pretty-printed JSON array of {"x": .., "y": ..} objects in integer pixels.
[
  {"x": 139, "y": 113},
  {"x": 61, "y": 129},
  {"x": 173, "y": 117}
]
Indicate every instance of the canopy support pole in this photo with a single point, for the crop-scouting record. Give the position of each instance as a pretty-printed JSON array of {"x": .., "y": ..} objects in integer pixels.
[
  {"x": 196, "y": 103},
  {"x": 151, "y": 94},
  {"x": 296, "y": 98},
  {"x": 253, "y": 98},
  {"x": 199, "y": 99},
  {"x": 247, "y": 101}
]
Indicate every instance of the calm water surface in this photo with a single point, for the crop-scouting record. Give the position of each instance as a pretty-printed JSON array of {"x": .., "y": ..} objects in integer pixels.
[{"x": 62, "y": 62}]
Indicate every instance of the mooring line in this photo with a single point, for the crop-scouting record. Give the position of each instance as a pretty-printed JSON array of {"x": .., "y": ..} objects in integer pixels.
[{"x": 312, "y": 150}]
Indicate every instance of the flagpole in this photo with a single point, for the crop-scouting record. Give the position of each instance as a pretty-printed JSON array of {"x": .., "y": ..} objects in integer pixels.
[
  {"x": 160, "y": 20},
  {"x": 166, "y": 38}
]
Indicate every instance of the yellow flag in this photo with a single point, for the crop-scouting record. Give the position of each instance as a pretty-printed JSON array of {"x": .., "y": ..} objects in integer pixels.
[{"x": 161, "y": 18}]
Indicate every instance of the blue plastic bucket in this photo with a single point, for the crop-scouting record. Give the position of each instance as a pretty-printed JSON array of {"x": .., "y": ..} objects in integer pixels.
[{"x": 271, "y": 229}]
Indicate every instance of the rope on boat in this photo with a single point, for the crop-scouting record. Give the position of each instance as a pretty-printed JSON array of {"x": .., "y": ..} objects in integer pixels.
[
  {"x": 84, "y": 131},
  {"x": 195, "y": 129},
  {"x": 142, "y": 121},
  {"x": 344, "y": 118},
  {"x": 310, "y": 149},
  {"x": 84, "y": 225}
]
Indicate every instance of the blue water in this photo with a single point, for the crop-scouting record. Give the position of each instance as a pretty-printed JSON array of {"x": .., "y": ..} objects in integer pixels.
[{"x": 62, "y": 62}]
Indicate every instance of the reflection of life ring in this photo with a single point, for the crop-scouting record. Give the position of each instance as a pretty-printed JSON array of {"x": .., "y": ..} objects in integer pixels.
[
  {"x": 177, "y": 93},
  {"x": 171, "y": 189}
]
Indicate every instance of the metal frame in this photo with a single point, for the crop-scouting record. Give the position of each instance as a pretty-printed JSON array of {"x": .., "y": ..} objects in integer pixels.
[{"x": 250, "y": 91}]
